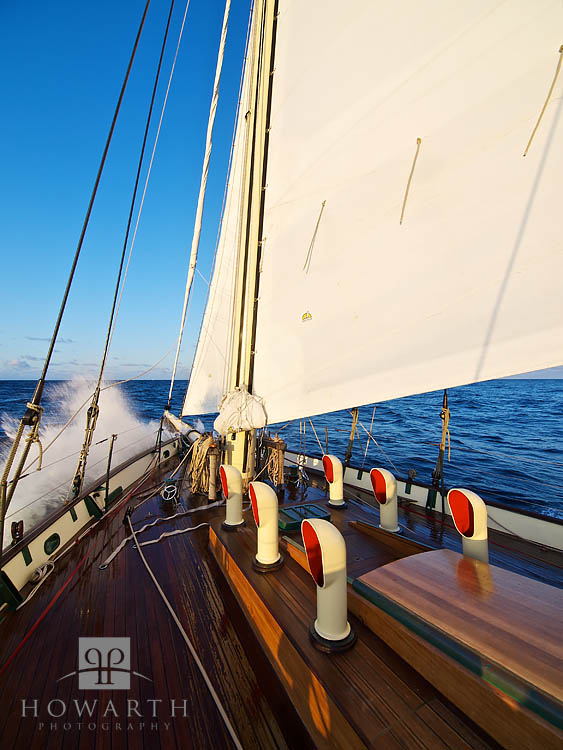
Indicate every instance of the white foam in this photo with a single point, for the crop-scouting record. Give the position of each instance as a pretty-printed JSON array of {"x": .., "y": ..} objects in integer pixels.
[{"x": 41, "y": 491}]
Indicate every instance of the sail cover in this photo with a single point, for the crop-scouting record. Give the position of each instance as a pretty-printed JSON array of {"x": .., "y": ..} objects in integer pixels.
[{"x": 355, "y": 307}]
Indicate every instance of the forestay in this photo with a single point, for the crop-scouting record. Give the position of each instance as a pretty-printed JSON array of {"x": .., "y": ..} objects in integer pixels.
[{"x": 467, "y": 288}]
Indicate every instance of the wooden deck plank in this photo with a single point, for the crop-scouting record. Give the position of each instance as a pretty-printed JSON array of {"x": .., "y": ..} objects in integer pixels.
[
  {"x": 403, "y": 709},
  {"x": 507, "y": 618},
  {"x": 121, "y": 601}
]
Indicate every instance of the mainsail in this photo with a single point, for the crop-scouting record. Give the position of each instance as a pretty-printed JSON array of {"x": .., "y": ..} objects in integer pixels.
[{"x": 355, "y": 307}]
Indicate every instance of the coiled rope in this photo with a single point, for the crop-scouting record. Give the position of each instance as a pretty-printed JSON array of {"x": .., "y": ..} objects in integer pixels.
[{"x": 200, "y": 464}]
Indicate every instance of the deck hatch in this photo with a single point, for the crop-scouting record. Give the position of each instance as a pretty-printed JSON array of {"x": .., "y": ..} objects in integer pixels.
[{"x": 289, "y": 519}]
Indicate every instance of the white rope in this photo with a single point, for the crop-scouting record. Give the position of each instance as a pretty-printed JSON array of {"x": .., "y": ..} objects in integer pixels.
[
  {"x": 318, "y": 441},
  {"x": 202, "y": 188},
  {"x": 189, "y": 644},
  {"x": 40, "y": 576},
  {"x": 370, "y": 431},
  {"x": 174, "y": 533},
  {"x": 120, "y": 546}
]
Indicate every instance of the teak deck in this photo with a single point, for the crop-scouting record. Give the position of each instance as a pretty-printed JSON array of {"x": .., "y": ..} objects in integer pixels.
[
  {"x": 366, "y": 697},
  {"x": 122, "y": 602}
]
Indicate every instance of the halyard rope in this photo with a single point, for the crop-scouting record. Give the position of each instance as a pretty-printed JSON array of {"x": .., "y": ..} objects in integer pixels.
[
  {"x": 371, "y": 437},
  {"x": 370, "y": 431}
]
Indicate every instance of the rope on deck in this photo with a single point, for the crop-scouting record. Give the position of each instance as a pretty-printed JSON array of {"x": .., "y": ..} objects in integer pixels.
[
  {"x": 189, "y": 644},
  {"x": 118, "y": 549}
]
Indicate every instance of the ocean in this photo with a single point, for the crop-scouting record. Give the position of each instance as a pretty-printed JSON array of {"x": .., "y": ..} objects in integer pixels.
[{"x": 506, "y": 436}]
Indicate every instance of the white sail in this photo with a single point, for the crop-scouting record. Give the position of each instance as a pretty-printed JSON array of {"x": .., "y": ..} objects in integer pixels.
[
  {"x": 355, "y": 307},
  {"x": 209, "y": 371},
  {"x": 468, "y": 287}
]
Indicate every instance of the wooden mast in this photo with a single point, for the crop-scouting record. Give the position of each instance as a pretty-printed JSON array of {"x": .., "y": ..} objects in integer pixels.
[{"x": 240, "y": 446}]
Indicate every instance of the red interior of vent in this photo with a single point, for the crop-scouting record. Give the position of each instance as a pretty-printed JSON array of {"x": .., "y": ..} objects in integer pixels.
[
  {"x": 462, "y": 511},
  {"x": 327, "y": 466},
  {"x": 379, "y": 486},
  {"x": 254, "y": 505},
  {"x": 314, "y": 554},
  {"x": 224, "y": 483}
]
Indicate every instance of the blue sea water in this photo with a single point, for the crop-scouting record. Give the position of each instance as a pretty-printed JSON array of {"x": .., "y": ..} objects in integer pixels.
[{"x": 506, "y": 435}]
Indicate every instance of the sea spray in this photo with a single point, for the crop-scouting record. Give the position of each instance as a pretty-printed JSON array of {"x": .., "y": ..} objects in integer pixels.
[{"x": 39, "y": 492}]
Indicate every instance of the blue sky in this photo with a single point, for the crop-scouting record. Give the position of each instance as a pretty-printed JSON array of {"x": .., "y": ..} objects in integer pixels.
[{"x": 62, "y": 67}]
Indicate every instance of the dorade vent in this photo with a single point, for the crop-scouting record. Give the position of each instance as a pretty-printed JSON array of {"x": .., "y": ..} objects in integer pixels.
[
  {"x": 462, "y": 512},
  {"x": 384, "y": 487},
  {"x": 326, "y": 554},
  {"x": 254, "y": 504},
  {"x": 231, "y": 484},
  {"x": 334, "y": 473},
  {"x": 379, "y": 486},
  {"x": 314, "y": 553},
  {"x": 327, "y": 466},
  {"x": 469, "y": 514},
  {"x": 264, "y": 503}
]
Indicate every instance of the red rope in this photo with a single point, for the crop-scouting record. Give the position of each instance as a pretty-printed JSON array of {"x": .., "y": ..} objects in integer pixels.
[{"x": 44, "y": 613}]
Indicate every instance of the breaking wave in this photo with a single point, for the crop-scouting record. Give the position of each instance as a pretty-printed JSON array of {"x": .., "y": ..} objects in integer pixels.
[{"x": 39, "y": 492}]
